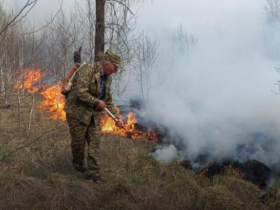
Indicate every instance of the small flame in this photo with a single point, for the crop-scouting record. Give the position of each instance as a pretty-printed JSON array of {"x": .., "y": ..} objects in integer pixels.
[
  {"x": 206, "y": 169},
  {"x": 237, "y": 170},
  {"x": 108, "y": 125},
  {"x": 203, "y": 172},
  {"x": 228, "y": 168}
]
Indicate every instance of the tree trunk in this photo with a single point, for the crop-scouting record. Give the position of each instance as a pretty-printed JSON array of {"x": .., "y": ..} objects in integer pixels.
[{"x": 99, "y": 28}]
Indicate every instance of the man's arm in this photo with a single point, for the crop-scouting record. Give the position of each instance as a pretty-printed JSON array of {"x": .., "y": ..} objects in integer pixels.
[{"x": 82, "y": 86}]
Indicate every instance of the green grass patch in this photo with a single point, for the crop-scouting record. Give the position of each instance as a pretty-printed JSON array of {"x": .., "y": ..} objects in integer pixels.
[{"x": 145, "y": 156}]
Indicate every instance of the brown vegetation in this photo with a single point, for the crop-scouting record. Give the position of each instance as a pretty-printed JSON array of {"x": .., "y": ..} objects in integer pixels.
[
  {"x": 40, "y": 176},
  {"x": 35, "y": 156}
]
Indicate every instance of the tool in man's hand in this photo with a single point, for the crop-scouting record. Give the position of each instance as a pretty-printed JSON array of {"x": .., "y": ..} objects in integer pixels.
[
  {"x": 67, "y": 85},
  {"x": 113, "y": 116}
]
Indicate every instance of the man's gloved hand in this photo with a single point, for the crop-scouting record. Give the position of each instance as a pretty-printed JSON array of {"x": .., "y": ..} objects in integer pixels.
[{"x": 77, "y": 56}]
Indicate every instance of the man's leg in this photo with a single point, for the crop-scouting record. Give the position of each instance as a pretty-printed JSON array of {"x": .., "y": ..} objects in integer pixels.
[
  {"x": 77, "y": 132},
  {"x": 93, "y": 140}
]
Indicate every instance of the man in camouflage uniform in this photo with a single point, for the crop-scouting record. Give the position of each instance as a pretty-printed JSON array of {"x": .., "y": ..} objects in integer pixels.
[{"x": 90, "y": 94}]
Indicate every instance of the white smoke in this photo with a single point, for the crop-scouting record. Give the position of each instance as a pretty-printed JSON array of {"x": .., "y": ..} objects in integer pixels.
[
  {"x": 216, "y": 97},
  {"x": 165, "y": 154}
]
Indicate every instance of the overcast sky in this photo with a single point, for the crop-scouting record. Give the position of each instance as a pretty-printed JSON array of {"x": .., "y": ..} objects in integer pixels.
[
  {"x": 222, "y": 89},
  {"x": 42, "y": 10}
]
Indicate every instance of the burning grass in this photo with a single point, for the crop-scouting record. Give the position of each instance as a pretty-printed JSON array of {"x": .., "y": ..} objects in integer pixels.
[
  {"x": 40, "y": 176},
  {"x": 53, "y": 102}
]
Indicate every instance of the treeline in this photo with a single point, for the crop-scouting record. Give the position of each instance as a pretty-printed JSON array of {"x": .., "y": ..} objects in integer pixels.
[{"x": 50, "y": 47}]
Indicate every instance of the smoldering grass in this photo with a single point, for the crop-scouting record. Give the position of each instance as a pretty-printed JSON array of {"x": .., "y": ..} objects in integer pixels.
[{"x": 40, "y": 176}]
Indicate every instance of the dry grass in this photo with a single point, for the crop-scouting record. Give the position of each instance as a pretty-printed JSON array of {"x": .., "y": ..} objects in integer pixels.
[{"x": 40, "y": 176}]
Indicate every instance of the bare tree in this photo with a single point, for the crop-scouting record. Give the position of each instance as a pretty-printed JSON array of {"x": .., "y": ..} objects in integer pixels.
[
  {"x": 271, "y": 33},
  {"x": 99, "y": 28},
  {"x": 62, "y": 39},
  {"x": 20, "y": 15},
  {"x": 272, "y": 11},
  {"x": 8, "y": 57},
  {"x": 182, "y": 41},
  {"x": 111, "y": 26},
  {"x": 115, "y": 22},
  {"x": 146, "y": 57}
]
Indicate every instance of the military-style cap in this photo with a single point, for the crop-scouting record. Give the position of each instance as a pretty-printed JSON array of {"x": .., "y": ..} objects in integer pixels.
[{"x": 112, "y": 57}]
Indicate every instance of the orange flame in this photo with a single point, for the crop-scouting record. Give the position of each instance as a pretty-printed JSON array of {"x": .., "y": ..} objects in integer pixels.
[
  {"x": 203, "y": 172},
  {"x": 30, "y": 77},
  {"x": 54, "y": 103},
  {"x": 206, "y": 169},
  {"x": 237, "y": 170},
  {"x": 108, "y": 125}
]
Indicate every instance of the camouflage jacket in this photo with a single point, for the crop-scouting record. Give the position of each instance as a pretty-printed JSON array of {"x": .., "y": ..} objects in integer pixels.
[{"x": 83, "y": 99}]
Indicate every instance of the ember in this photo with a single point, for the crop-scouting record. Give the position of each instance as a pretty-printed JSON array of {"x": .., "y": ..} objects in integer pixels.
[
  {"x": 203, "y": 172},
  {"x": 237, "y": 170},
  {"x": 252, "y": 170}
]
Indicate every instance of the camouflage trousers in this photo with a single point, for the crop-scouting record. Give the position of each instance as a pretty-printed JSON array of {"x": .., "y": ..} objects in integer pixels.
[{"x": 83, "y": 135}]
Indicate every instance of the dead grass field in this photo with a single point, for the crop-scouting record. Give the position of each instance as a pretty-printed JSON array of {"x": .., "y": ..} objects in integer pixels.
[{"x": 40, "y": 176}]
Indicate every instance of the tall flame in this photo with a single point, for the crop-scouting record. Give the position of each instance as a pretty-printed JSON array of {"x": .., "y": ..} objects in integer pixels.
[{"x": 54, "y": 102}]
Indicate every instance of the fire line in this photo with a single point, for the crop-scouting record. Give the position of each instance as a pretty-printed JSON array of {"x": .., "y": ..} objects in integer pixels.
[{"x": 54, "y": 103}]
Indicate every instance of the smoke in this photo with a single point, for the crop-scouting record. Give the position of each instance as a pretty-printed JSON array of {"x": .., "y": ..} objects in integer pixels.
[
  {"x": 165, "y": 154},
  {"x": 218, "y": 97}
]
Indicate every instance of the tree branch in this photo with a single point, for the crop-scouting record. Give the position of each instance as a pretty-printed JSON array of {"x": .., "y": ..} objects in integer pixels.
[
  {"x": 119, "y": 2},
  {"x": 13, "y": 21}
]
